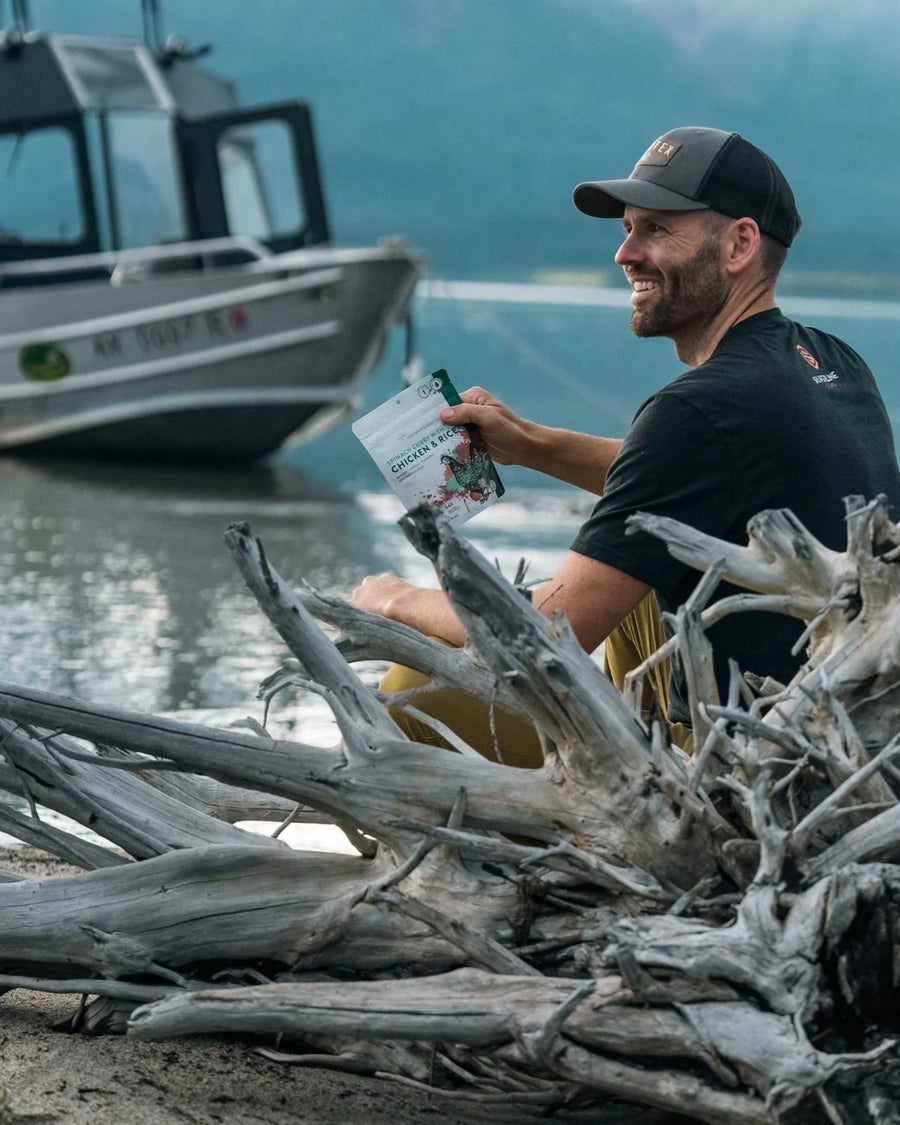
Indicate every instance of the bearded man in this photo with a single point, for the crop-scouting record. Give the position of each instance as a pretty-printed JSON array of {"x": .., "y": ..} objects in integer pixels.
[{"x": 769, "y": 414}]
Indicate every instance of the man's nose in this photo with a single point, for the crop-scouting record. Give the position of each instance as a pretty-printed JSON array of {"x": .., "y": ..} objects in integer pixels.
[{"x": 628, "y": 251}]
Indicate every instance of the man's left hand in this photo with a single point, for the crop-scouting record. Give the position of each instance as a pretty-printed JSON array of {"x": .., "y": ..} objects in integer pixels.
[
  {"x": 378, "y": 592},
  {"x": 425, "y": 610}
]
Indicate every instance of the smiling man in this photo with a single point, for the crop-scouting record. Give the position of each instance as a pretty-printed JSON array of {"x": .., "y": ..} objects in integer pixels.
[{"x": 768, "y": 414}]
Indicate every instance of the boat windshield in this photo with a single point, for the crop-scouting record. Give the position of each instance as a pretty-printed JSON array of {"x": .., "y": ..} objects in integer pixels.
[
  {"x": 39, "y": 188},
  {"x": 260, "y": 185},
  {"x": 134, "y": 161}
]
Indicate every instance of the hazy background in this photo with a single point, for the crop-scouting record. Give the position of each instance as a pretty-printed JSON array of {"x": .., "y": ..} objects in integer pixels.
[{"x": 464, "y": 124}]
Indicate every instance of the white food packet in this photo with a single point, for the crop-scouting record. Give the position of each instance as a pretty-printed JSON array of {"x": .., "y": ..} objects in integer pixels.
[{"x": 426, "y": 461}]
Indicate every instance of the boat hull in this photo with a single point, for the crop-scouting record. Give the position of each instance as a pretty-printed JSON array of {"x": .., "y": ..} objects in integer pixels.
[
  {"x": 206, "y": 435},
  {"x": 215, "y": 366}
]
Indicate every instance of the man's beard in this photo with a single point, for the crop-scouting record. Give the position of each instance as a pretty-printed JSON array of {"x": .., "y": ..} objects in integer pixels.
[{"x": 693, "y": 293}]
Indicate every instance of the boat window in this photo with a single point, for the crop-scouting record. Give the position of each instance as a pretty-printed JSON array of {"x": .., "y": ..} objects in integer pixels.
[
  {"x": 110, "y": 76},
  {"x": 145, "y": 180},
  {"x": 259, "y": 180},
  {"x": 39, "y": 188}
]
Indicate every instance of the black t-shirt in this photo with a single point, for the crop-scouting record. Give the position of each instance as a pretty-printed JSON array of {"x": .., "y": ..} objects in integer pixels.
[{"x": 780, "y": 416}]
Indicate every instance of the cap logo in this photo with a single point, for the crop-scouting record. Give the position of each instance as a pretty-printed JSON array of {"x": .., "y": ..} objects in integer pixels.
[
  {"x": 660, "y": 152},
  {"x": 808, "y": 356}
]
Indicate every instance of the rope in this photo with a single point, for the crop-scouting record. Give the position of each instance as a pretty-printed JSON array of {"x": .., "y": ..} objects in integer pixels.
[{"x": 478, "y": 317}]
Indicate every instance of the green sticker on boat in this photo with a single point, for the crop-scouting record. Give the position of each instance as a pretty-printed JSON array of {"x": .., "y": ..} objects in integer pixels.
[{"x": 43, "y": 362}]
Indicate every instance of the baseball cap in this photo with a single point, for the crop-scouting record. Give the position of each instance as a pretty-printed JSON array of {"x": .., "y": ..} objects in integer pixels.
[{"x": 694, "y": 169}]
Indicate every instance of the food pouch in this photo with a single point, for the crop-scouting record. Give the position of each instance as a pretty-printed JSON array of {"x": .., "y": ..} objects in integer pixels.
[{"x": 426, "y": 461}]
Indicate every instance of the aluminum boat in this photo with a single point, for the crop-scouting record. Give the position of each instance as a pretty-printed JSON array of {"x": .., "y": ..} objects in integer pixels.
[{"x": 168, "y": 285}]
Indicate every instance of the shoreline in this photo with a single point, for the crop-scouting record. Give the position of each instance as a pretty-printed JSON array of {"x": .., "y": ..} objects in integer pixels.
[{"x": 51, "y": 1076}]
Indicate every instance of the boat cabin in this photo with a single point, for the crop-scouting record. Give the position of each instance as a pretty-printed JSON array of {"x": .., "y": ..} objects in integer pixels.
[{"x": 106, "y": 146}]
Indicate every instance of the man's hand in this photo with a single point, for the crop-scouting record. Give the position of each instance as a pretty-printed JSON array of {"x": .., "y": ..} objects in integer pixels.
[
  {"x": 507, "y": 436},
  {"x": 378, "y": 592},
  {"x": 425, "y": 610},
  {"x": 579, "y": 459},
  {"x": 595, "y": 597}
]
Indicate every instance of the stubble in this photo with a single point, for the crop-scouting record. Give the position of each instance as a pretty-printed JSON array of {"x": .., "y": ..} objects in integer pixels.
[{"x": 692, "y": 295}]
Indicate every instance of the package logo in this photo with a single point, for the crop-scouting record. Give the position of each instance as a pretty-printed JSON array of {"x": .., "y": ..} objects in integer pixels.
[
  {"x": 430, "y": 387},
  {"x": 808, "y": 356}
]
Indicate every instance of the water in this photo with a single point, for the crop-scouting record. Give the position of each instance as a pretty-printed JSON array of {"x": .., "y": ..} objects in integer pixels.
[
  {"x": 115, "y": 585},
  {"x": 573, "y": 364},
  {"x": 114, "y": 581}
]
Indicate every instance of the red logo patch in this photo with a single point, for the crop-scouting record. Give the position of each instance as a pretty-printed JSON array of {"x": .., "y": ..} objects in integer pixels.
[
  {"x": 808, "y": 356},
  {"x": 237, "y": 318}
]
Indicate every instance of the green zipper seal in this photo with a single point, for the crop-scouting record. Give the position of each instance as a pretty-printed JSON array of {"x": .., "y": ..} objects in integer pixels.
[
  {"x": 451, "y": 397},
  {"x": 450, "y": 393}
]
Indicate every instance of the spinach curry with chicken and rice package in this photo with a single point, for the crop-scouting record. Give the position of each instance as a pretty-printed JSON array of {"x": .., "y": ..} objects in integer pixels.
[{"x": 423, "y": 459}]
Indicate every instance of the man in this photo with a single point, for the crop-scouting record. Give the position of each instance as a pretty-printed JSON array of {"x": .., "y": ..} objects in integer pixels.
[{"x": 769, "y": 414}]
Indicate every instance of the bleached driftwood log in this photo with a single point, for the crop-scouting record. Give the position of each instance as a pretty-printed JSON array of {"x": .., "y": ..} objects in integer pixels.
[{"x": 713, "y": 935}]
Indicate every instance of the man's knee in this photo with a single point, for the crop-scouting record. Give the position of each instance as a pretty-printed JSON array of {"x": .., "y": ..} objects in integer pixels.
[{"x": 493, "y": 733}]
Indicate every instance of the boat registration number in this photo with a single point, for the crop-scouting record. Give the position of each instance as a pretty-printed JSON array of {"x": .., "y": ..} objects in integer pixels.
[{"x": 173, "y": 334}]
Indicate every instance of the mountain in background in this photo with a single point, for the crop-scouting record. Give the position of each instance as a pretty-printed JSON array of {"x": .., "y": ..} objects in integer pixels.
[{"x": 464, "y": 124}]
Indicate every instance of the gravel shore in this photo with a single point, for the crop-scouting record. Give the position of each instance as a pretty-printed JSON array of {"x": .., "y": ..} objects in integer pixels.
[{"x": 49, "y": 1076}]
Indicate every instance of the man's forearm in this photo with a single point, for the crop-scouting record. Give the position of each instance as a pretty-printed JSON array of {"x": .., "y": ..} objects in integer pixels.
[{"x": 578, "y": 459}]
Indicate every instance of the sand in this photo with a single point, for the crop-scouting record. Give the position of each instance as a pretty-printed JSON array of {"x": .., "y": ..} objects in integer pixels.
[{"x": 54, "y": 1076}]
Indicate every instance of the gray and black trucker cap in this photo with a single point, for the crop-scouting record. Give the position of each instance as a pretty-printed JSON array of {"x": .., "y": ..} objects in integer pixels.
[{"x": 695, "y": 169}]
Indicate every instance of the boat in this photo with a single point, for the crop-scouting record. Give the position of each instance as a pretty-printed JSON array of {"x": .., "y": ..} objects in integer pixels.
[{"x": 169, "y": 289}]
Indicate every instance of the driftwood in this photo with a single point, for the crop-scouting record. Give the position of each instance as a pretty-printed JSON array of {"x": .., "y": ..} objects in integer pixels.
[{"x": 712, "y": 935}]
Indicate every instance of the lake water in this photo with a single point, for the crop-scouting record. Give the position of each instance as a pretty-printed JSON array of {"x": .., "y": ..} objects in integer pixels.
[
  {"x": 115, "y": 585},
  {"x": 114, "y": 581}
]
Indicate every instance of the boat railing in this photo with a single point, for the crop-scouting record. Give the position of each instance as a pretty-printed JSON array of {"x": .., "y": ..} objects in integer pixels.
[{"x": 130, "y": 265}]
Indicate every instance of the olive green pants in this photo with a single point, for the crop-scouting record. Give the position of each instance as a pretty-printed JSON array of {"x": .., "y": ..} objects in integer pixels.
[{"x": 512, "y": 740}]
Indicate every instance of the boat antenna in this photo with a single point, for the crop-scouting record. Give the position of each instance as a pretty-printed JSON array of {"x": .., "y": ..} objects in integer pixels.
[
  {"x": 152, "y": 37},
  {"x": 165, "y": 51},
  {"x": 21, "y": 17},
  {"x": 12, "y": 39}
]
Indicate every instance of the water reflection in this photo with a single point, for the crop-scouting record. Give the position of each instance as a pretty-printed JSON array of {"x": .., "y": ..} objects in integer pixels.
[{"x": 115, "y": 584}]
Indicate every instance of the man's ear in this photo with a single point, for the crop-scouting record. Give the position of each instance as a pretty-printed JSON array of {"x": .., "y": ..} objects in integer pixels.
[{"x": 742, "y": 244}]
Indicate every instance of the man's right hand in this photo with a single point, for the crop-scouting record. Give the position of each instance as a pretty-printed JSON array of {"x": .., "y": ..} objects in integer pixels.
[
  {"x": 510, "y": 440},
  {"x": 579, "y": 459}
]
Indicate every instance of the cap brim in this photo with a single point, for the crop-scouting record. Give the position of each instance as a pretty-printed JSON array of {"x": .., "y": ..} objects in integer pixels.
[{"x": 607, "y": 199}]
